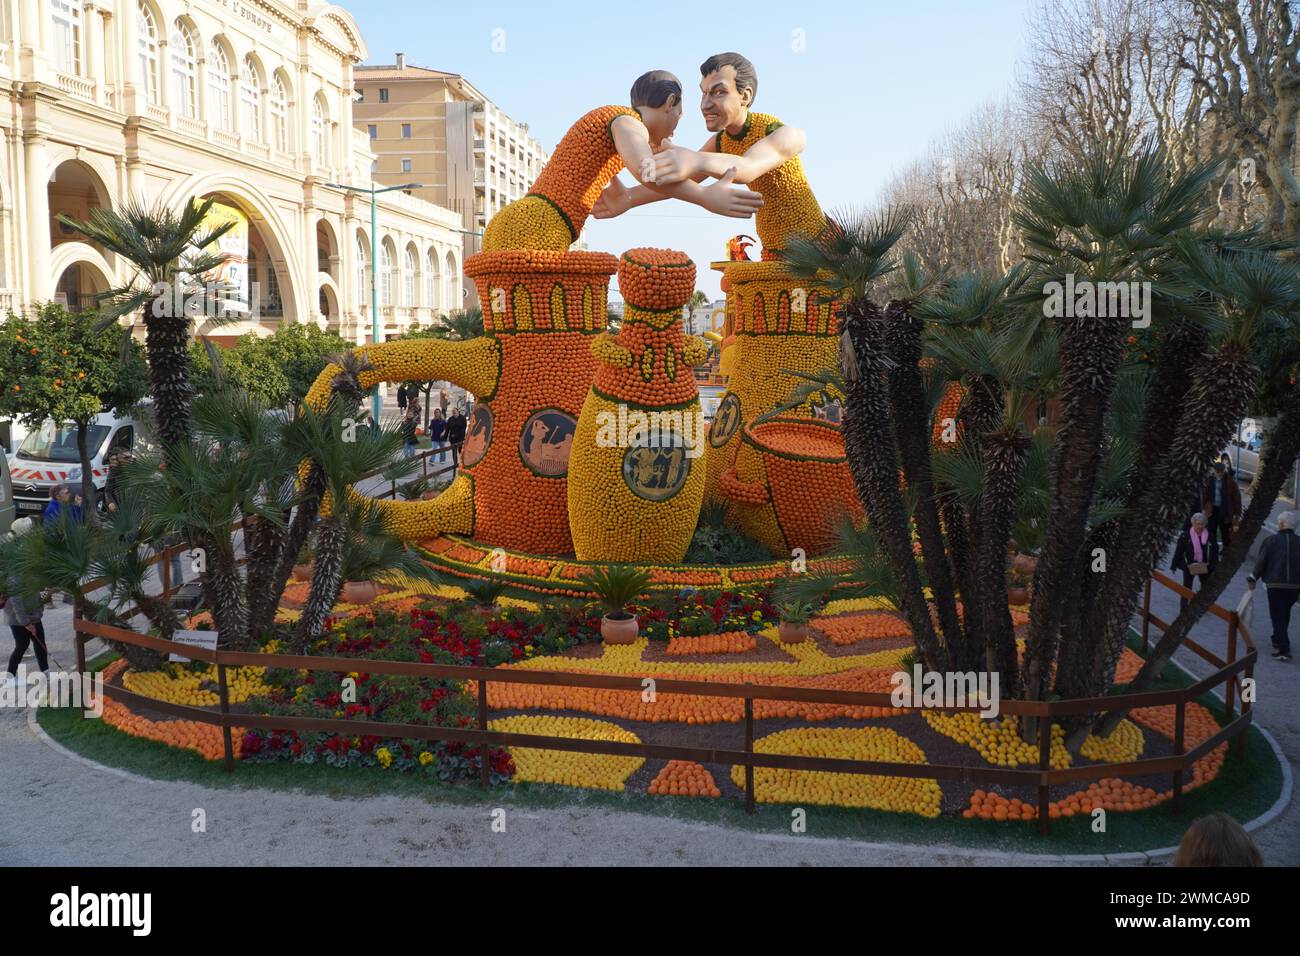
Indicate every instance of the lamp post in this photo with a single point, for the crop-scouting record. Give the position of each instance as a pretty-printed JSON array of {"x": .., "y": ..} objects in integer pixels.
[{"x": 374, "y": 191}]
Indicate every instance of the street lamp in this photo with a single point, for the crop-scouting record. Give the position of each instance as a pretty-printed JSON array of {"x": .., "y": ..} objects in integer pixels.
[{"x": 374, "y": 255}]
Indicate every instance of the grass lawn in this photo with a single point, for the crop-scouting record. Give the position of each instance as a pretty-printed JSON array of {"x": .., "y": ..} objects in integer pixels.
[{"x": 1245, "y": 788}]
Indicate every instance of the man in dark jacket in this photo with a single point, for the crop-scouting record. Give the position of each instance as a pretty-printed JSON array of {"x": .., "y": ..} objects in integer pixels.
[
  {"x": 456, "y": 434},
  {"x": 1278, "y": 566},
  {"x": 1221, "y": 502}
]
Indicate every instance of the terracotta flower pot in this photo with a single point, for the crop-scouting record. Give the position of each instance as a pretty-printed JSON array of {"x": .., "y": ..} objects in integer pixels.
[
  {"x": 1017, "y": 596},
  {"x": 792, "y": 633},
  {"x": 1025, "y": 563},
  {"x": 359, "y": 592},
  {"x": 619, "y": 630},
  {"x": 302, "y": 572}
]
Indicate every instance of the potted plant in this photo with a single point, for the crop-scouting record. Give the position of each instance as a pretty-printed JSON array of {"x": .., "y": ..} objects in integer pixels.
[
  {"x": 616, "y": 585},
  {"x": 795, "y": 616},
  {"x": 302, "y": 570},
  {"x": 1017, "y": 587},
  {"x": 485, "y": 593}
]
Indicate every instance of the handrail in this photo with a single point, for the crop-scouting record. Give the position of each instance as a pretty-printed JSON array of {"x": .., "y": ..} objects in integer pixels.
[{"x": 1043, "y": 776}]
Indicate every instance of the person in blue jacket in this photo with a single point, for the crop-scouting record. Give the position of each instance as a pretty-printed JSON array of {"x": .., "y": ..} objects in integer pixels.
[{"x": 61, "y": 500}]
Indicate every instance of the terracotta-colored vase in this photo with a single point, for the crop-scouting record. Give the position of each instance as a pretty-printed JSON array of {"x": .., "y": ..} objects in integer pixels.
[
  {"x": 359, "y": 592},
  {"x": 1017, "y": 596},
  {"x": 302, "y": 572},
  {"x": 1025, "y": 563},
  {"x": 792, "y": 633},
  {"x": 619, "y": 631}
]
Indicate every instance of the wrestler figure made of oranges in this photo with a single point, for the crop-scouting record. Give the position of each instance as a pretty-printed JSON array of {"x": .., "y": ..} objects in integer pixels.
[{"x": 590, "y": 156}]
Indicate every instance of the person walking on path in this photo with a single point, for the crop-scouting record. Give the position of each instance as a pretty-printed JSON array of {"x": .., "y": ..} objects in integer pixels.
[
  {"x": 456, "y": 434},
  {"x": 410, "y": 428},
  {"x": 401, "y": 398},
  {"x": 1196, "y": 554},
  {"x": 24, "y": 621},
  {"x": 1221, "y": 497},
  {"x": 1278, "y": 566},
  {"x": 438, "y": 433}
]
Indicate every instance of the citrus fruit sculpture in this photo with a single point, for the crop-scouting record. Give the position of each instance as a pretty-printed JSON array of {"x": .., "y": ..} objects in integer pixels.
[{"x": 636, "y": 477}]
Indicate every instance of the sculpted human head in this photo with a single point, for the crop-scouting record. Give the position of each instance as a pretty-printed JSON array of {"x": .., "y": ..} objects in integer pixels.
[
  {"x": 657, "y": 96},
  {"x": 728, "y": 85}
]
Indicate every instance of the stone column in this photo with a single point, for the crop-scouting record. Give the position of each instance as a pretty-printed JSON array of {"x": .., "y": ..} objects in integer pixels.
[
  {"x": 134, "y": 92},
  {"x": 40, "y": 284}
]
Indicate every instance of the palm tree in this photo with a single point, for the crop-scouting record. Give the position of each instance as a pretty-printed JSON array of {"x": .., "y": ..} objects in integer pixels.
[
  {"x": 851, "y": 257},
  {"x": 171, "y": 252}
]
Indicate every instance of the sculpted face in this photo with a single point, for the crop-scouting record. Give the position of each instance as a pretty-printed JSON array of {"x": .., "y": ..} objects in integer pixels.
[
  {"x": 722, "y": 104},
  {"x": 661, "y": 121}
]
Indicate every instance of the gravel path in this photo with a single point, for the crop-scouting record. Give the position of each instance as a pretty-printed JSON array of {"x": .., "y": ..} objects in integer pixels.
[{"x": 59, "y": 811}]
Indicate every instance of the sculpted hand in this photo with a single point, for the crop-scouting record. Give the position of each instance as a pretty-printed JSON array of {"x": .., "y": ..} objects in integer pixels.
[
  {"x": 675, "y": 164},
  {"x": 726, "y": 201},
  {"x": 613, "y": 201}
]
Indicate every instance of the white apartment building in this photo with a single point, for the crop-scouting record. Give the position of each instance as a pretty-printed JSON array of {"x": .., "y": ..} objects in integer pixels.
[{"x": 248, "y": 101}]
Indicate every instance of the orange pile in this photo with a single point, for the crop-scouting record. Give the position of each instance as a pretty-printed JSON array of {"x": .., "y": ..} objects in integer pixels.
[
  {"x": 684, "y": 778},
  {"x": 205, "y": 739},
  {"x": 656, "y": 279},
  {"x": 729, "y": 642},
  {"x": 851, "y": 628}
]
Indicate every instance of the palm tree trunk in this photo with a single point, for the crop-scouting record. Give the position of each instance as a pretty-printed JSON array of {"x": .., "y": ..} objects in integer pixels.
[
  {"x": 870, "y": 449},
  {"x": 88, "y": 508},
  {"x": 166, "y": 343},
  {"x": 1004, "y": 461},
  {"x": 1221, "y": 388},
  {"x": 223, "y": 586},
  {"x": 911, "y": 429},
  {"x": 1283, "y": 446},
  {"x": 326, "y": 580},
  {"x": 1091, "y": 351}
]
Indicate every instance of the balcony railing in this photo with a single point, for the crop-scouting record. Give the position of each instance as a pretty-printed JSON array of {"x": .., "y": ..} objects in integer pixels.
[
  {"x": 191, "y": 127},
  {"x": 77, "y": 86},
  {"x": 225, "y": 138}
]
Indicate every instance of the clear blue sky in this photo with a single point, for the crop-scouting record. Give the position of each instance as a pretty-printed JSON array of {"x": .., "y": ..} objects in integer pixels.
[{"x": 874, "y": 85}]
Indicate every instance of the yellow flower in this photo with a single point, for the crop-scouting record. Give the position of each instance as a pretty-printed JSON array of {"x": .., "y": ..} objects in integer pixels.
[
  {"x": 426, "y": 758},
  {"x": 383, "y": 756}
]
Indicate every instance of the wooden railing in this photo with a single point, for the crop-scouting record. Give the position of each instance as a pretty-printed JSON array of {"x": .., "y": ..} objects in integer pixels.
[{"x": 1043, "y": 776}]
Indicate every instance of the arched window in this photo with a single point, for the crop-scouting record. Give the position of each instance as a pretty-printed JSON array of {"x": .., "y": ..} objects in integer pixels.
[
  {"x": 408, "y": 277},
  {"x": 184, "y": 76},
  {"x": 451, "y": 293},
  {"x": 431, "y": 276},
  {"x": 147, "y": 30},
  {"x": 66, "y": 15},
  {"x": 319, "y": 133},
  {"x": 280, "y": 115},
  {"x": 218, "y": 87},
  {"x": 385, "y": 274},
  {"x": 250, "y": 100},
  {"x": 363, "y": 272}
]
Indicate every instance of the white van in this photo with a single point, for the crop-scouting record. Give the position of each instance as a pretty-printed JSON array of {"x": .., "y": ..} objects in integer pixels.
[
  {"x": 7, "y": 513},
  {"x": 48, "y": 456}
]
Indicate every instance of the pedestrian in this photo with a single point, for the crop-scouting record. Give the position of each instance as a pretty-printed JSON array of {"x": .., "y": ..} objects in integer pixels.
[
  {"x": 62, "y": 502},
  {"x": 401, "y": 397},
  {"x": 1196, "y": 554},
  {"x": 1217, "y": 840},
  {"x": 438, "y": 433},
  {"x": 23, "y": 616},
  {"x": 456, "y": 434},
  {"x": 1221, "y": 502},
  {"x": 410, "y": 429},
  {"x": 117, "y": 465},
  {"x": 1278, "y": 566}
]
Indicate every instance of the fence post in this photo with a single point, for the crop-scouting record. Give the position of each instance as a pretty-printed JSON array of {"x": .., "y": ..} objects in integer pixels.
[
  {"x": 749, "y": 749},
  {"x": 1180, "y": 717},
  {"x": 225, "y": 713},
  {"x": 482, "y": 725},
  {"x": 1044, "y": 765},
  {"x": 1230, "y": 692},
  {"x": 1239, "y": 745},
  {"x": 78, "y": 638},
  {"x": 1146, "y": 616}
]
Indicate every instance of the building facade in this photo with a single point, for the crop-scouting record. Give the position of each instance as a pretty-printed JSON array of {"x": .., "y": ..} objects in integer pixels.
[
  {"x": 435, "y": 128},
  {"x": 247, "y": 101}
]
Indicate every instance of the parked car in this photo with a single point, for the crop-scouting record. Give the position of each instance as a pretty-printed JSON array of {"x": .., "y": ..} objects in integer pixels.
[
  {"x": 1243, "y": 450},
  {"x": 7, "y": 513},
  {"x": 48, "y": 456}
]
